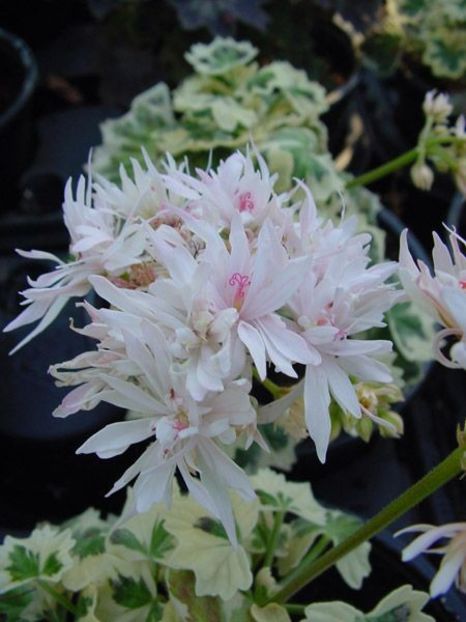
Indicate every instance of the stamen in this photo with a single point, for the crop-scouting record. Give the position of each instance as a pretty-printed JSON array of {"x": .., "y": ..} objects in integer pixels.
[
  {"x": 246, "y": 203},
  {"x": 241, "y": 281}
]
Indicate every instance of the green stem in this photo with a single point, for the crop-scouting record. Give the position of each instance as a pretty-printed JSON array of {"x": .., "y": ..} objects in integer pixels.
[
  {"x": 274, "y": 537},
  {"x": 274, "y": 389},
  {"x": 385, "y": 169},
  {"x": 60, "y": 598},
  {"x": 310, "y": 569},
  {"x": 400, "y": 161}
]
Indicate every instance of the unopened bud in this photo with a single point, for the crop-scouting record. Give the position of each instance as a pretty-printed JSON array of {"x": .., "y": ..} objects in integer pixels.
[
  {"x": 437, "y": 106},
  {"x": 422, "y": 176}
]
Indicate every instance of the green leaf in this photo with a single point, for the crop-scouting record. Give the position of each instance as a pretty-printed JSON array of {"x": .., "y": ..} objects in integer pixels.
[
  {"x": 160, "y": 542},
  {"x": 446, "y": 54},
  {"x": 24, "y": 563},
  {"x": 130, "y": 593},
  {"x": 126, "y": 538},
  {"x": 220, "y": 56},
  {"x": 412, "y": 331},
  {"x": 83, "y": 606},
  {"x": 13, "y": 603},
  {"x": 212, "y": 526},
  {"x": 89, "y": 542},
  {"x": 52, "y": 565},
  {"x": 355, "y": 566},
  {"x": 402, "y": 605}
]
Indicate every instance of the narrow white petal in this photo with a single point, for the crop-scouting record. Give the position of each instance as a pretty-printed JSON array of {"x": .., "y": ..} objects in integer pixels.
[
  {"x": 253, "y": 342},
  {"x": 316, "y": 405},
  {"x": 115, "y": 438},
  {"x": 447, "y": 572},
  {"x": 341, "y": 387}
]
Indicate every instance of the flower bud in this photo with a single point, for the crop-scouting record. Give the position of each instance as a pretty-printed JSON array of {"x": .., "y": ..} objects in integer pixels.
[
  {"x": 422, "y": 176},
  {"x": 437, "y": 106}
]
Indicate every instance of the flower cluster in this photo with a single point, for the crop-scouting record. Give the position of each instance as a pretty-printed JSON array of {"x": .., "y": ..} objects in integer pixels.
[
  {"x": 211, "y": 281},
  {"x": 442, "y": 295},
  {"x": 440, "y": 143}
]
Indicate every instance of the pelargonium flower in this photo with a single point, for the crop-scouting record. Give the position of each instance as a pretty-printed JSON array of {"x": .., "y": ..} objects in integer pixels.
[
  {"x": 341, "y": 297},
  {"x": 106, "y": 237},
  {"x": 209, "y": 280},
  {"x": 442, "y": 294},
  {"x": 186, "y": 433},
  {"x": 235, "y": 188},
  {"x": 453, "y": 565}
]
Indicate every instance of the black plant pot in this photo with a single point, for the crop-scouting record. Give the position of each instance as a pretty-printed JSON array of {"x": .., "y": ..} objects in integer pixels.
[
  {"x": 41, "y": 478},
  {"x": 19, "y": 80}
]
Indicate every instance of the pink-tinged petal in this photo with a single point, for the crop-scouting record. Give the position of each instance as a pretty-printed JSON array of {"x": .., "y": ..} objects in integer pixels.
[
  {"x": 197, "y": 490},
  {"x": 285, "y": 341},
  {"x": 270, "y": 412},
  {"x": 240, "y": 253},
  {"x": 253, "y": 342},
  {"x": 356, "y": 347},
  {"x": 423, "y": 542},
  {"x": 405, "y": 258},
  {"x": 265, "y": 299},
  {"x": 118, "y": 297},
  {"x": 145, "y": 459},
  {"x": 155, "y": 487},
  {"x": 441, "y": 256},
  {"x": 128, "y": 395},
  {"x": 341, "y": 387},
  {"x": 366, "y": 369},
  {"x": 449, "y": 568},
  {"x": 455, "y": 301},
  {"x": 35, "y": 254},
  {"x": 52, "y": 312},
  {"x": 115, "y": 438},
  {"x": 139, "y": 353},
  {"x": 31, "y": 313},
  {"x": 177, "y": 259},
  {"x": 76, "y": 399},
  {"x": 316, "y": 405},
  {"x": 218, "y": 473}
]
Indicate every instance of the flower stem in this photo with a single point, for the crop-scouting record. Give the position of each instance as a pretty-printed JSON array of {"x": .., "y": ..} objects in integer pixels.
[
  {"x": 310, "y": 569},
  {"x": 385, "y": 169},
  {"x": 274, "y": 537},
  {"x": 400, "y": 161}
]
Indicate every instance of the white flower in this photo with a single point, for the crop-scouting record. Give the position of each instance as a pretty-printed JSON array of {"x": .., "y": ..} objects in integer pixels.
[
  {"x": 101, "y": 242},
  {"x": 235, "y": 188},
  {"x": 453, "y": 565},
  {"x": 340, "y": 298},
  {"x": 257, "y": 284},
  {"x": 442, "y": 294},
  {"x": 185, "y": 432}
]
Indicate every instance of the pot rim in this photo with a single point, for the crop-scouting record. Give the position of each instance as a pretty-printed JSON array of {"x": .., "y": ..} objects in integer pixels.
[{"x": 28, "y": 61}]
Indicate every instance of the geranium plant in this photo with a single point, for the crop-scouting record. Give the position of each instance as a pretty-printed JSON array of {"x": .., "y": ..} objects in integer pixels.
[{"x": 215, "y": 288}]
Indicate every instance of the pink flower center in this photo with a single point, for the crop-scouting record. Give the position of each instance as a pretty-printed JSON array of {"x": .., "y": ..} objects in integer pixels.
[
  {"x": 240, "y": 282},
  {"x": 463, "y": 284},
  {"x": 246, "y": 204}
]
